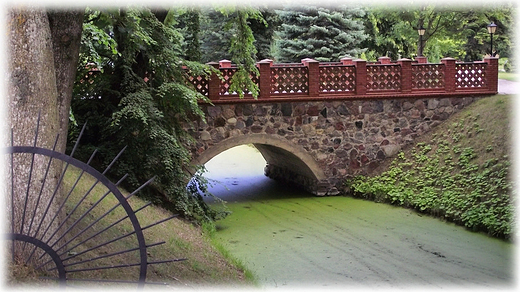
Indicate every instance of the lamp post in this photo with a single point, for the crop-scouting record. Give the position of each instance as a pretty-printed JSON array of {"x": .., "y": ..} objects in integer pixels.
[
  {"x": 421, "y": 32},
  {"x": 492, "y": 28}
]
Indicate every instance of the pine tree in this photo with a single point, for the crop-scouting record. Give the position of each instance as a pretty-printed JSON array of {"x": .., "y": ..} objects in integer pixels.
[
  {"x": 264, "y": 31},
  {"x": 323, "y": 34},
  {"x": 215, "y": 38},
  {"x": 187, "y": 21},
  {"x": 217, "y": 32}
]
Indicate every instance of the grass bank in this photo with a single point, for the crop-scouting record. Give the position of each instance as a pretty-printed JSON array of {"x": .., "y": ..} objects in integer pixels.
[{"x": 460, "y": 171}]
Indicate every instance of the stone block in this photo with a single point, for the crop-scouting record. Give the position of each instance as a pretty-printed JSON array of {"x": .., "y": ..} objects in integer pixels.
[
  {"x": 214, "y": 111},
  {"x": 228, "y": 113},
  {"x": 256, "y": 129},
  {"x": 433, "y": 103},
  {"x": 205, "y": 136},
  {"x": 313, "y": 111},
  {"x": 391, "y": 150},
  {"x": 407, "y": 105},
  {"x": 419, "y": 105},
  {"x": 232, "y": 121},
  {"x": 286, "y": 109}
]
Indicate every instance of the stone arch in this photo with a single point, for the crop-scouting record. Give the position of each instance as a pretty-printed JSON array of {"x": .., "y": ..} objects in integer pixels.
[{"x": 277, "y": 152}]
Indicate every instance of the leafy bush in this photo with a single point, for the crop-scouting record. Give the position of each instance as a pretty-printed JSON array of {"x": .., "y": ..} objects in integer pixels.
[{"x": 449, "y": 180}]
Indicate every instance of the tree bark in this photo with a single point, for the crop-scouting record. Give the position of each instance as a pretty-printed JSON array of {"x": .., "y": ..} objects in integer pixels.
[
  {"x": 31, "y": 92},
  {"x": 32, "y": 82},
  {"x": 66, "y": 27},
  {"x": 40, "y": 80}
]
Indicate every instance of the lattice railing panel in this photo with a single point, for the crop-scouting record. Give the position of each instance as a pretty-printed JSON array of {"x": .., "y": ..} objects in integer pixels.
[
  {"x": 295, "y": 80},
  {"x": 428, "y": 76},
  {"x": 337, "y": 78},
  {"x": 225, "y": 83},
  {"x": 383, "y": 77},
  {"x": 470, "y": 75},
  {"x": 289, "y": 80},
  {"x": 200, "y": 83}
]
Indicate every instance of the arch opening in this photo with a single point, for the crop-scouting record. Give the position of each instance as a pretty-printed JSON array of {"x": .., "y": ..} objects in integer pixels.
[{"x": 285, "y": 162}]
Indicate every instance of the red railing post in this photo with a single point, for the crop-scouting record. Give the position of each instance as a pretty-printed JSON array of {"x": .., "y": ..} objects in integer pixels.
[
  {"x": 492, "y": 73},
  {"x": 384, "y": 60},
  {"x": 225, "y": 64},
  {"x": 213, "y": 83},
  {"x": 406, "y": 75},
  {"x": 450, "y": 72},
  {"x": 346, "y": 61},
  {"x": 361, "y": 76},
  {"x": 314, "y": 76},
  {"x": 264, "y": 79},
  {"x": 421, "y": 60}
]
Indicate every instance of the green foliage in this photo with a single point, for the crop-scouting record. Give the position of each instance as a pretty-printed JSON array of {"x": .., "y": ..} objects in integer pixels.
[
  {"x": 220, "y": 27},
  {"x": 242, "y": 50},
  {"x": 227, "y": 34},
  {"x": 450, "y": 180},
  {"x": 214, "y": 37},
  {"x": 450, "y": 31},
  {"x": 391, "y": 33},
  {"x": 97, "y": 45},
  {"x": 264, "y": 31},
  {"x": 188, "y": 22},
  {"x": 319, "y": 33},
  {"x": 138, "y": 101}
]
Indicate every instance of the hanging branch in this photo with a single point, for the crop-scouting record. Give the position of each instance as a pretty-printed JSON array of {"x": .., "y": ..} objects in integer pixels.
[{"x": 242, "y": 49}]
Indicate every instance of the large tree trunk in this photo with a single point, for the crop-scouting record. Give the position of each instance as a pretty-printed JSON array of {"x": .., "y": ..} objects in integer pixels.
[
  {"x": 32, "y": 81},
  {"x": 66, "y": 27},
  {"x": 33, "y": 90}
]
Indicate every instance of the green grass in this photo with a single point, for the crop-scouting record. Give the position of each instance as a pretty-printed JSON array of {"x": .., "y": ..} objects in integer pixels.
[
  {"x": 509, "y": 76},
  {"x": 206, "y": 265},
  {"x": 460, "y": 171}
]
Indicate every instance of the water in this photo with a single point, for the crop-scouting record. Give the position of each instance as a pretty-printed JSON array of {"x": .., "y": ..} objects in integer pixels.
[{"x": 291, "y": 239}]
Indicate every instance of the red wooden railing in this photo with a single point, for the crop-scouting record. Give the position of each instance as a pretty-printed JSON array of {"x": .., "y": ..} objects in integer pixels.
[{"x": 312, "y": 80}]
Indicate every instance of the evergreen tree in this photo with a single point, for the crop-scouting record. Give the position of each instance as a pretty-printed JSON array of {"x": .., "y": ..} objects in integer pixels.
[
  {"x": 264, "y": 32},
  {"x": 323, "y": 34},
  {"x": 215, "y": 38},
  {"x": 187, "y": 21},
  {"x": 228, "y": 35},
  {"x": 217, "y": 31}
]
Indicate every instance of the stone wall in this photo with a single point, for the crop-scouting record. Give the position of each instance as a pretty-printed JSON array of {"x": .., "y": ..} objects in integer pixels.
[{"x": 345, "y": 138}]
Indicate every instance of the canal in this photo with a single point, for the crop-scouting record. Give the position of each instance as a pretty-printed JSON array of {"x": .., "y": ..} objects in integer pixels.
[{"x": 291, "y": 239}]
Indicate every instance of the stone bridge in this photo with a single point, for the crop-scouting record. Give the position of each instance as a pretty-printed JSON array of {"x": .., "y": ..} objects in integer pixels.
[{"x": 358, "y": 115}]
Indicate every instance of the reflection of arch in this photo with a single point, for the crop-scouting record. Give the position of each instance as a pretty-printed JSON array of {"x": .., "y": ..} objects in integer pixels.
[{"x": 276, "y": 151}]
